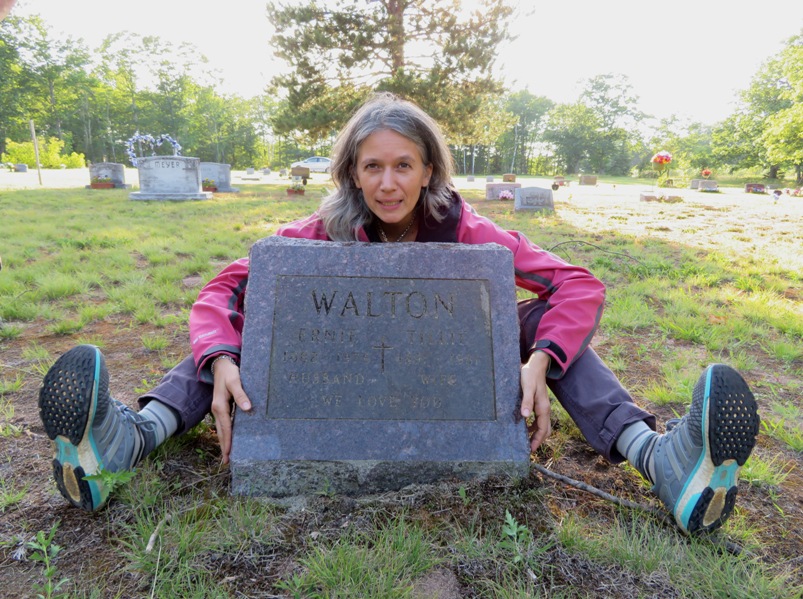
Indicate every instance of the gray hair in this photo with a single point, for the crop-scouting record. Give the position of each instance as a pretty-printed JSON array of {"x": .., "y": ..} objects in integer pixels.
[{"x": 344, "y": 211}]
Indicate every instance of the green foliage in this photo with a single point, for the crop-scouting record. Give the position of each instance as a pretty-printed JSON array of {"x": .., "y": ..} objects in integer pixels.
[
  {"x": 379, "y": 563},
  {"x": 112, "y": 480},
  {"x": 45, "y": 552},
  {"x": 341, "y": 53},
  {"x": 10, "y": 496},
  {"x": 516, "y": 538},
  {"x": 51, "y": 154}
]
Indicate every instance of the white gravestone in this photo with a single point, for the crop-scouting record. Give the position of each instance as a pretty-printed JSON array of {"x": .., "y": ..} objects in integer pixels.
[
  {"x": 169, "y": 178},
  {"x": 708, "y": 185},
  {"x": 492, "y": 190},
  {"x": 251, "y": 175},
  {"x": 114, "y": 171},
  {"x": 220, "y": 174},
  {"x": 533, "y": 199}
]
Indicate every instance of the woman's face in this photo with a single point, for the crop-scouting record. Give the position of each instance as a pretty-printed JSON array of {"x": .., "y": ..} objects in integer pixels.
[{"x": 390, "y": 171}]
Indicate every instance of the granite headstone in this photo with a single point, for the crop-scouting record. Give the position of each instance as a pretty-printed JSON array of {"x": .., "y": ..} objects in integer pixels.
[
  {"x": 533, "y": 199},
  {"x": 114, "y": 171},
  {"x": 492, "y": 190},
  {"x": 220, "y": 173},
  {"x": 588, "y": 180},
  {"x": 368, "y": 373},
  {"x": 169, "y": 178}
]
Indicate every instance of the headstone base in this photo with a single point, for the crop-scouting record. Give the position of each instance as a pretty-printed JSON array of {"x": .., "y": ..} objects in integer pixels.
[
  {"x": 201, "y": 195},
  {"x": 357, "y": 477}
]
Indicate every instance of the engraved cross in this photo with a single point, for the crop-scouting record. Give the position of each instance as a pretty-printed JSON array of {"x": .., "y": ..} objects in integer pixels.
[{"x": 382, "y": 349}]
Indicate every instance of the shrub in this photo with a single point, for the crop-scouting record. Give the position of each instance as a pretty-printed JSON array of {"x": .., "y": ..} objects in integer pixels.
[{"x": 50, "y": 154}]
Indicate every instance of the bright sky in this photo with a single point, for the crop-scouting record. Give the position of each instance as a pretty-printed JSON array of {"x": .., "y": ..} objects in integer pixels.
[{"x": 682, "y": 57}]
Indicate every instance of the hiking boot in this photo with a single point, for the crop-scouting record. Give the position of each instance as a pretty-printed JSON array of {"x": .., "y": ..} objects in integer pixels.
[
  {"x": 697, "y": 461},
  {"x": 90, "y": 430}
]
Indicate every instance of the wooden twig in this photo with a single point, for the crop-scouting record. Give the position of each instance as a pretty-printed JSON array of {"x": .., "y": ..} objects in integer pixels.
[
  {"x": 154, "y": 536},
  {"x": 661, "y": 515},
  {"x": 729, "y": 546}
]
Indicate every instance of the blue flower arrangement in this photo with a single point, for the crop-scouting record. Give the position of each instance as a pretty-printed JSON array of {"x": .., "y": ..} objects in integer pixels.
[{"x": 153, "y": 142}]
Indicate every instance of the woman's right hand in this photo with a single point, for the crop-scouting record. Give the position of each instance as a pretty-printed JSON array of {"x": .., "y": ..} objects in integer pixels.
[{"x": 227, "y": 386}]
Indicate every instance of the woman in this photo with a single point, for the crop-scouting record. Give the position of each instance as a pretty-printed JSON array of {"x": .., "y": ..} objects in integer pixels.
[{"x": 392, "y": 171}]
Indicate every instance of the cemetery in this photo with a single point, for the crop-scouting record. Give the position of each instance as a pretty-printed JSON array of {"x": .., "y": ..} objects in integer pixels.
[
  {"x": 365, "y": 436},
  {"x": 334, "y": 371}
]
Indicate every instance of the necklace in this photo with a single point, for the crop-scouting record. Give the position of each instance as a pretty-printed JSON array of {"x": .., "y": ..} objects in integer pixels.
[{"x": 384, "y": 237}]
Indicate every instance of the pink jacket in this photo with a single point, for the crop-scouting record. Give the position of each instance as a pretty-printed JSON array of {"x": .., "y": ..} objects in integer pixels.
[{"x": 574, "y": 296}]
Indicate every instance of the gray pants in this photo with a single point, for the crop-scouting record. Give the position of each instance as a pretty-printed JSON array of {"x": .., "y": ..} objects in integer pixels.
[{"x": 588, "y": 391}]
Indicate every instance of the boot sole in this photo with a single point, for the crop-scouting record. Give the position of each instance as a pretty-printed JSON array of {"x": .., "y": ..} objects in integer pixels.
[
  {"x": 67, "y": 404},
  {"x": 730, "y": 425}
]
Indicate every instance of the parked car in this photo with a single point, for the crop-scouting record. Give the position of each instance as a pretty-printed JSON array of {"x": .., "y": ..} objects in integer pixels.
[{"x": 315, "y": 164}]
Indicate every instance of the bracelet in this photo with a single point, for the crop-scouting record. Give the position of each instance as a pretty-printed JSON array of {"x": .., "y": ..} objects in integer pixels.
[{"x": 221, "y": 357}]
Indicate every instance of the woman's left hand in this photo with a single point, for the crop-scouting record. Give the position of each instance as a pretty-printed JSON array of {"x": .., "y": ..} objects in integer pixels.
[{"x": 535, "y": 399}]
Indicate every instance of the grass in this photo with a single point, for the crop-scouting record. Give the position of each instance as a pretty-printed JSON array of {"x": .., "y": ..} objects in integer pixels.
[{"x": 122, "y": 275}]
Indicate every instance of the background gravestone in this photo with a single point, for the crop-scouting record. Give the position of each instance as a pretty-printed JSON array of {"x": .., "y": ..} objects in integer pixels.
[
  {"x": 533, "y": 199},
  {"x": 251, "y": 175},
  {"x": 169, "y": 178},
  {"x": 707, "y": 185},
  {"x": 492, "y": 190},
  {"x": 588, "y": 180},
  {"x": 366, "y": 377},
  {"x": 219, "y": 173},
  {"x": 113, "y": 170}
]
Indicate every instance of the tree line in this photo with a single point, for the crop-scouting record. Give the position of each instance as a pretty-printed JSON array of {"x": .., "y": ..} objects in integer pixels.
[{"x": 89, "y": 102}]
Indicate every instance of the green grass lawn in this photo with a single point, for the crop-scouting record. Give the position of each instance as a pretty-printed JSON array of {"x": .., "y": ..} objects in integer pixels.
[{"x": 686, "y": 287}]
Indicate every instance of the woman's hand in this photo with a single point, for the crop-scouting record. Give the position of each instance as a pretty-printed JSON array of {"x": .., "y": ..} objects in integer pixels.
[
  {"x": 227, "y": 386},
  {"x": 535, "y": 399}
]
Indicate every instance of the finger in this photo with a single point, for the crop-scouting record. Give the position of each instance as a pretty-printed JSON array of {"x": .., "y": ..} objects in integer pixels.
[
  {"x": 543, "y": 423},
  {"x": 240, "y": 398},
  {"x": 527, "y": 396},
  {"x": 222, "y": 413},
  {"x": 543, "y": 428}
]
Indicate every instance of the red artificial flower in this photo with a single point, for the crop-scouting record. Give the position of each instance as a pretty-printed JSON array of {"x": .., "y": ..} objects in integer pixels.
[
  {"x": 706, "y": 172},
  {"x": 662, "y": 157}
]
